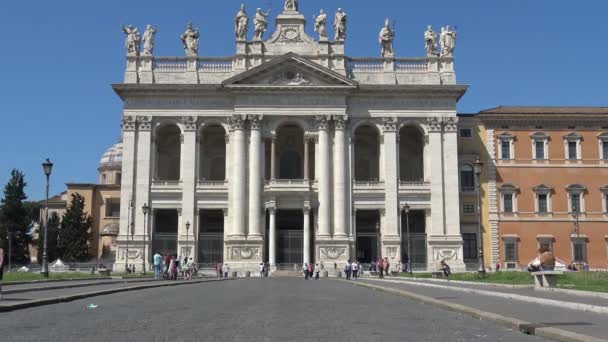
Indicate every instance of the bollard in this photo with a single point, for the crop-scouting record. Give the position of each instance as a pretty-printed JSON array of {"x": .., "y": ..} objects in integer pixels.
[
  {"x": 339, "y": 274},
  {"x": 325, "y": 274},
  {"x": 248, "y": 274},
  {"x": 234, "y": 274}
]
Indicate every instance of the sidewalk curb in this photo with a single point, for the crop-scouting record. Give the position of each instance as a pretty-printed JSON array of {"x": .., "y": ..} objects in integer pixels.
[
  {"x": 70, "y": 298},
  {"x": 598, "y": 309},
  {"x": 25, "y": 282},
  {"x": 86, "y": 284},
  {"x": 579, "y": 293},
  {"x": 422, "y": 280},
  {"x": 524, "y": 327}
]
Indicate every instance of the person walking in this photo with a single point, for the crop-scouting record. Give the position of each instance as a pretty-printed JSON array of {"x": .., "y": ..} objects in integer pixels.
[
  {"x": 347, "y": 270},
  {"x": 305, "y": 271},
  {"x": 387, "y": 266},
  {"x": 317, "y": 271},
  {"x": 1, "y": 265},
  {"x": 226, "y": 270},
  {"x": 157, "y": 260},
  {"x": 190, "y": 268},
  {"x": 447, "y": 271},
  {"x": 381, "y": 268},
  {"x": 311, "y": 270},
  {"x": 355, "y": 269},
  {"x": 261, "y": 270}
]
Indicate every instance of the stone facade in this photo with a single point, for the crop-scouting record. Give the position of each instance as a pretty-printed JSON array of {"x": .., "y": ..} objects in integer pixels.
[{"x": 248, "y": 146}]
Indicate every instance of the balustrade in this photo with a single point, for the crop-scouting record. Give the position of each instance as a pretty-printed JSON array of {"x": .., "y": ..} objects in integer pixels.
[{"x": 170, "y": 64}]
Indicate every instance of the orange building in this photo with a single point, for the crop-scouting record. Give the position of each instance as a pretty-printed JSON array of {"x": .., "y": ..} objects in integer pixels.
[{"x": 548, "y": 183}]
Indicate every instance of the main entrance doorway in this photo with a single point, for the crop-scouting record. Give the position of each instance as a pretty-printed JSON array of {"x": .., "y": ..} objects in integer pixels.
[
  {"x": 290, "y": 238},
  {"x": 417, "y": 239},
  {"x": 211, "y": 237},
  {"x": 368, "y": 225},
  {"x": 164, "y": 237}
]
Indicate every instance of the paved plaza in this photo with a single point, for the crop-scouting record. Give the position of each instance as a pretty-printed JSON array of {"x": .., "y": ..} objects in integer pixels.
[{"x": 250, "y": 310}]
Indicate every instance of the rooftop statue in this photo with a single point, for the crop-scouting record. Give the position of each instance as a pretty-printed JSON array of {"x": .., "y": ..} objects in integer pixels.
[
  {"x": 261, "y": 23},
  {"x": 387, "y": 36},
  {"x": 241, "y": 24},
  {"x": 430, "y": 39},
  {"x": 149, "y": 36},
  {"x": 340, "y": 25},
  {"x": 448, "y": 42},
  {"x": 291, "y": 5},
  {"x": 133, "y": 40},
  {"x": 190, "y": 40},
  {"x": 321, "y": 25}
]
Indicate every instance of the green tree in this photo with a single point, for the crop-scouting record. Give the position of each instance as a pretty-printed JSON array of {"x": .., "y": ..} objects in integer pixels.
[
  {"x": 74, "y": 231},
  {"x": 14, "y": 220},
  {"x": 33, "y": 211},
  {"x": 52, "y": 234}
]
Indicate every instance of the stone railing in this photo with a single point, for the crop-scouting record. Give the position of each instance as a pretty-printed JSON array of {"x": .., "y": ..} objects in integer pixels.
[
  {"x": 212, "y": 183},
  {"x": 215, "y": 64},
  {"x": 365, "y": 185},
  {"x": 284, "y": 182},
  {"x": 411, "y": 65},
  {"x": 371, "y": 65},
  {"x": 170, "y": 64},
  {"x": 414, "y": 184}
]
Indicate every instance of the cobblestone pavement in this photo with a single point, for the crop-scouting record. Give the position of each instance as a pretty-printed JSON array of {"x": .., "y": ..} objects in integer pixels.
[{"x": 249, "y": 310}]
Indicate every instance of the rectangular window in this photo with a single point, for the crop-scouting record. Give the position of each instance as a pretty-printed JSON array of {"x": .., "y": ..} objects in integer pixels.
[
  {"x": 542, "y": 203},
  {"x": 606, "y": 201},
  {"x": 469, "y": 246},
  {"x": 468, "y": 208},
  {"x": 112, "y": 207},
  {"x": 575, "y": 202},
  {"x": 511, "y": 251},
  {"x": 507, "y": 203},
  {"x": 579, "y": 248},
  {"x": 546, "y": 244},
  {"x": 505, "y": 147},
  {"x": 572, "y": 150},
  {"x": 466, "y": 133},
  {"x": 605, "y": 150},
  {"x": 540, "y": 149}
]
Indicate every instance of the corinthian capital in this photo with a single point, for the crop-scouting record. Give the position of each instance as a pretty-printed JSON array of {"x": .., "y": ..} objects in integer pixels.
[
  {"x": 390, "y": 124},
  {"x": 144, "y": 123},
  {"x": 322, "y": 121},
  {"x": 238, "y": 122},
  {"x": 189, "y": 123},
  {"x": 255, "y": 121},
  {"x": 450, "y": 124},
  {"x": 434, "y": 124},
  {"x": 129, "y": 123},
  {"x": 339, "y": 121}
]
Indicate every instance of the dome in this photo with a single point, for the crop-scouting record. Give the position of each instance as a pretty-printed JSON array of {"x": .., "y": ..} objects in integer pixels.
[{"x": 112, "y": 159}]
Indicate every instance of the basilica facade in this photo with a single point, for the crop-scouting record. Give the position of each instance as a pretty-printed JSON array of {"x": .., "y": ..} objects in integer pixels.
[{"x": 290, "y": 151}]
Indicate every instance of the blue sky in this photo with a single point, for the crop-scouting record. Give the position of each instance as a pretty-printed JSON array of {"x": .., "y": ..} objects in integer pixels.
[{"x": 59, "y": 59}]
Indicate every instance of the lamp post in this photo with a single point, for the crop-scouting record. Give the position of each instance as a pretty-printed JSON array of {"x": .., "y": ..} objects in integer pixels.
[
  {"x": 145, "y": 209},
  {"x": 187, "y": 233},
  {"x": 406, "y": 209},
  {"x": 477, "y": 169},
  {"x": 47, "y": 166},
  {"x": 577, "y": 231}
]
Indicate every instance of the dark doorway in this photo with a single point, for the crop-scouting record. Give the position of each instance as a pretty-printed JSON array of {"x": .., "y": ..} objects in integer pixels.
[
  {"x": 367, "y": 224},
  {"x": 290, "y": 237},
  {"x": 211, "y": 237},
  {"x": 417, "y": 238},
  {"x": 164, "y": 238}
]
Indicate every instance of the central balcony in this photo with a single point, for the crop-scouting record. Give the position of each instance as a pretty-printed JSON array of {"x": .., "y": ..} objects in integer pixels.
[{"x": 288, "y": 185}]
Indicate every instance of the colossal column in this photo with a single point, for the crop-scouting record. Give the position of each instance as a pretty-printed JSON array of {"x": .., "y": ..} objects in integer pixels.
[
  {"x": 437, "y": 178},
  {"x": 142, "y": 179},
  {"x": 126, "y": 187},
  {"x": 188, "y": 178},
  {"x": 324, "y": 181},
  {"x": 391, "y": 226},
  {"x": 273, "y": 157},
  {"x": 237, "y": 182},
  {"x": 339, "y": 164},
  {"x": 255, "y": 179}
]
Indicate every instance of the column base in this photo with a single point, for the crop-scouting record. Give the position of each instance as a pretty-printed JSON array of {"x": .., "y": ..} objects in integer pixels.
[
  {"x": 244, "y": 255},
  {"x": 447, "y": 248},
  {"x": 332, "y": 254},
  {"x": 391, "y": 249}
]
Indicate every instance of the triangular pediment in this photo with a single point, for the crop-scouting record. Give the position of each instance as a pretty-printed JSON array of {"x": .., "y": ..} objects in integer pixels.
[{"x": 289, "y": 70}]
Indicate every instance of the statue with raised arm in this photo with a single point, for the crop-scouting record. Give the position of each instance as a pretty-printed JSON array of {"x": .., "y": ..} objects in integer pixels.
[
  {"x": 261, "y": 23},
  {"x": 387, "y": 36},
  {"x": 448, "y": 42},
  {"x": 241, "y": 24},
  {"x": 291, "y": 5},
  {"x": 190, "y": 40},
  {"x": 430, "y": 39},
  {"x": 133, "y": 40},
  {"x": 340, "y": 25},
  {"x": 321, "y": 25},
  {"x": 149, "y": 36}
]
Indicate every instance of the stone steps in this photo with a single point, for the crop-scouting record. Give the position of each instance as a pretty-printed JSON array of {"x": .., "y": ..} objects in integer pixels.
[{"x": 289, "y": 274}]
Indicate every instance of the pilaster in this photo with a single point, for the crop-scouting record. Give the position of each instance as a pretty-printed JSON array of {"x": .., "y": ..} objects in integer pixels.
[
  {"x": 188, "y": 181},
  {"x": 255, "y": 178},
  {"x": 339, "y": 164},
  {"x": 391, "y": 226},
  {"x": 237, "y": 196},
  {"x": 142, "y": 182},
  {"x": 324, "y": 179}
]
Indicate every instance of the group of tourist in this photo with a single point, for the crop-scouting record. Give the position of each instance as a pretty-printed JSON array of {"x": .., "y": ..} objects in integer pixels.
[
  {"x": 222, "y": 270},
  {"x": 351, "y": 269},
  {"x": 264, "y": 269},
  {"x": 171, "y": 266},
  {"x": 311, "y": 271},
  {"x": 131, "y": 268}
]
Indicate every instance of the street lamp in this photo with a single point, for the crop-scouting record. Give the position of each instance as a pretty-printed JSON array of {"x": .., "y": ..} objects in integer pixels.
[
  {"x": 187, "y": 233},
  {"x": 47, "y": 166},
  {"x": 145, "y": 209},
  {"x": 406, "y": 209},
  {"x": 477, "y": 169}
]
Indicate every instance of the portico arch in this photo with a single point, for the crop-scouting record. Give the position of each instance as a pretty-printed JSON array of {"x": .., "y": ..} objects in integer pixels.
[
  {"x": 367, "y": 153},
  {"x": 212, "y": 153},
  {"x": 411, "y": 154},
  {"x": 168, "y": 152}
]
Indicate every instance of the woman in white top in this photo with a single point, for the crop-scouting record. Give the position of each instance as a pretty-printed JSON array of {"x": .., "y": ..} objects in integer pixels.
[{"x": 317, "y": 270}]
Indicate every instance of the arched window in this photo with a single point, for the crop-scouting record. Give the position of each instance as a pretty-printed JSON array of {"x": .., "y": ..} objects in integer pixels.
[
  {"x": 366, "y": 154},
  {"x": 411, "y": 154},
  {"x": 212, "y": 151},
  {"x": 467, "y": 178},
  {"x": 168, "y": 153}
]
